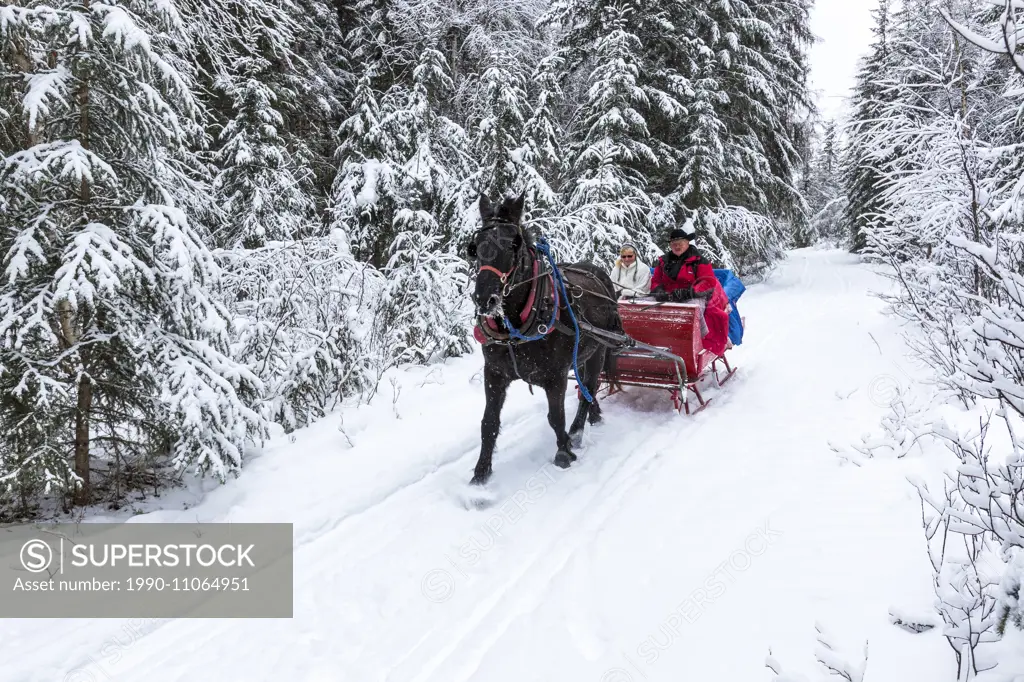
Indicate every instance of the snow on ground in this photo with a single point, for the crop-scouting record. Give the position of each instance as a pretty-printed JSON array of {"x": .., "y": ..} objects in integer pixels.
[{"x": 676, "y": 548}]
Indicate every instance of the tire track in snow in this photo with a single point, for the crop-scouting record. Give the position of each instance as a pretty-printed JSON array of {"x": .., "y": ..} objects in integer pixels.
[{"x": 555, "y": 555}]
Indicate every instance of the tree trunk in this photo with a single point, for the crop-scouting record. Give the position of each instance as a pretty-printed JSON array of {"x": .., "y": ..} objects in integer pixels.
[
  {"x": 82, "y": 468},
  {"x": 84, "y": 403}
]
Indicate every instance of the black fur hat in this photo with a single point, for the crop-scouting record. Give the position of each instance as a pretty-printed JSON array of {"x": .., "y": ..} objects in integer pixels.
[{"x": 684, "y": 231}]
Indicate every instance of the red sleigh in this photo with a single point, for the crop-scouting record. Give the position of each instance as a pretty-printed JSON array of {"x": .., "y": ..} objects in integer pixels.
[{"x": 668, "y": 354}]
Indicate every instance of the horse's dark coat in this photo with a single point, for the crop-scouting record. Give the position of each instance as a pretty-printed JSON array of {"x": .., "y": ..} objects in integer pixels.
[{"x": 546, "y": 362}]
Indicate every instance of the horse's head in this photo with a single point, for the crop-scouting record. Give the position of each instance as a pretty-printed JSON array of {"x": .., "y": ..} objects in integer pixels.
[{"x": 496, "y": 247}]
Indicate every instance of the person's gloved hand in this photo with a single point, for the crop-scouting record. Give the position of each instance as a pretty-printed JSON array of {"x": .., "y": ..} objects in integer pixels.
[
  {"x": 682, "y": 295},
  {"x": 703, "y": 294},
  {"x": 660, "y": 295}
]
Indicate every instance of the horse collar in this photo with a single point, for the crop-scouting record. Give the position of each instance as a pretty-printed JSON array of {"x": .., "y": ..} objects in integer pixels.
[{"x": 541, "y": 302}]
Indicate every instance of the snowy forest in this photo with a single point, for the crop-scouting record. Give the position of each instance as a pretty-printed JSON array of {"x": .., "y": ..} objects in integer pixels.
[
  {"x": 933, "y": 190},
  {"x": 222, "y": 219}
]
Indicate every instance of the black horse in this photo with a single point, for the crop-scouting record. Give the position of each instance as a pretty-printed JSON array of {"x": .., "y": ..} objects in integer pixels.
[{"x": 510, "y": 267}]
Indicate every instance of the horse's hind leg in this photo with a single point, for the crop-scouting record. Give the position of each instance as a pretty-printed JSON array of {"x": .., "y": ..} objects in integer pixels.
[
  {"x": 495, "y": 389},
  {"x": 610, "y": 364},
  {"x": 556, "y": 418},
  {"x": 588, "y": 411},
  {"x": 594, "y": 383}
]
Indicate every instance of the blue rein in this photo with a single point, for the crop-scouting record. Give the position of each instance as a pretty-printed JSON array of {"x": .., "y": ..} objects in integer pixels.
[{"x": 545, "y": 248}]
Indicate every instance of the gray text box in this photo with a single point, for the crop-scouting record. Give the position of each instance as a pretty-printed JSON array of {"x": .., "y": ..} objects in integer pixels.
[{"x": 146, "y": 570}]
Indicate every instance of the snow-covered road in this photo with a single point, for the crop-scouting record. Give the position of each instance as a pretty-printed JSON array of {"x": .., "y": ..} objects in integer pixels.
[{"x": 676, "y": 548}]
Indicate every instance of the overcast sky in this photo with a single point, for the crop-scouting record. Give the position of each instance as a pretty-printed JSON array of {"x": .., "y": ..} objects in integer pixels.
[{"x": 844, "y": 30}]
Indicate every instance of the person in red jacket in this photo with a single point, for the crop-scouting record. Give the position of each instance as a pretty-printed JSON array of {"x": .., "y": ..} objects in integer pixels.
[{"x": 683, "y": 275}]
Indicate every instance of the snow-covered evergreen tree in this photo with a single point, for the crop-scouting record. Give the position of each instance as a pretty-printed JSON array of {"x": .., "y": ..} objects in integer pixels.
[
  {"x": 273, "y": 93},
  {"x": 543, "y": 139},
  {"x": 827, "y": 200},
  {"x": 762, "y": 69},
  {"x": 822, "y": 187},
  {"x": 608, "y": 186},
  {"x": 365, "y": 199},
  {"x": 265, "y": 196},
  {"x": 421, "y": 312},
  {"x": 495, "y": 141},
  {"x": 860, "y": 174},
  {"x": 111, "y": 337},
  {"x": 393, "y": 193}
]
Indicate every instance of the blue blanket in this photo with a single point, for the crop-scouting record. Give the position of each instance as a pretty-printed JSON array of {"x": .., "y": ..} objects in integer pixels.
[{"x": 733, "y": 288}]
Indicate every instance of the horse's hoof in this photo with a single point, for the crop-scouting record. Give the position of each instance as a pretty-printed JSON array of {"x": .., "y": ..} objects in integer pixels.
[
  {"x": 595, "y": 419},
  {"x": 480, "y": 479},
  {"x": 564, "y": 458}
]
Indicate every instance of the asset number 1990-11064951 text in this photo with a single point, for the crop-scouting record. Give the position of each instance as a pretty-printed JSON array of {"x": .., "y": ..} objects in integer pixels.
[{"x": 189, "y": 584}]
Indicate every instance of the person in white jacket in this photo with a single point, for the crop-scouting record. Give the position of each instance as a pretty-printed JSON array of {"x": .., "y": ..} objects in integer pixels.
[{"x": 631, "y": 276}]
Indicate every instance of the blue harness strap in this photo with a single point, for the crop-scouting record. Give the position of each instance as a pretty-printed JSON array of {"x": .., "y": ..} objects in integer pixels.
[
  {"x": 545, "y": 248},
  {"x": 514, "y": 333}
]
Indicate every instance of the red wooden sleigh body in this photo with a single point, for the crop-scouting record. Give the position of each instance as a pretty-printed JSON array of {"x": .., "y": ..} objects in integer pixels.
[{"x": 669, "y": 354}]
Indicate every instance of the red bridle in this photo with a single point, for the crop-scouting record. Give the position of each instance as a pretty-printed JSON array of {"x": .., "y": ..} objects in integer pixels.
[
  {"x": 499, "y": 273},
  {"x": 503, "y": 275}
]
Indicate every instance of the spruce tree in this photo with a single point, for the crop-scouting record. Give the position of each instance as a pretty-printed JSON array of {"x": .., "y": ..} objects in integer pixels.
[
  {"x": 860, "y": 174},
  {"x": 494, "y": 141},
  {"x": 614, "y": 153},
  {"x": 114, "y": 349},
  {"x": 543, "y": 140},
  {"x": 263, "y": 193},
  {"x": 421, "y": 310},
  {"x": 365, "y": 201},
  {"x": 822, "y": 187}
]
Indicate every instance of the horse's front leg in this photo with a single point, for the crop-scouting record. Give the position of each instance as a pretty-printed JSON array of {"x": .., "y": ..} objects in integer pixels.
[
  {"x": 591, "y": 380},
  {"x": 556, "y": 417},
  {"x": 495, "y": 388}
]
